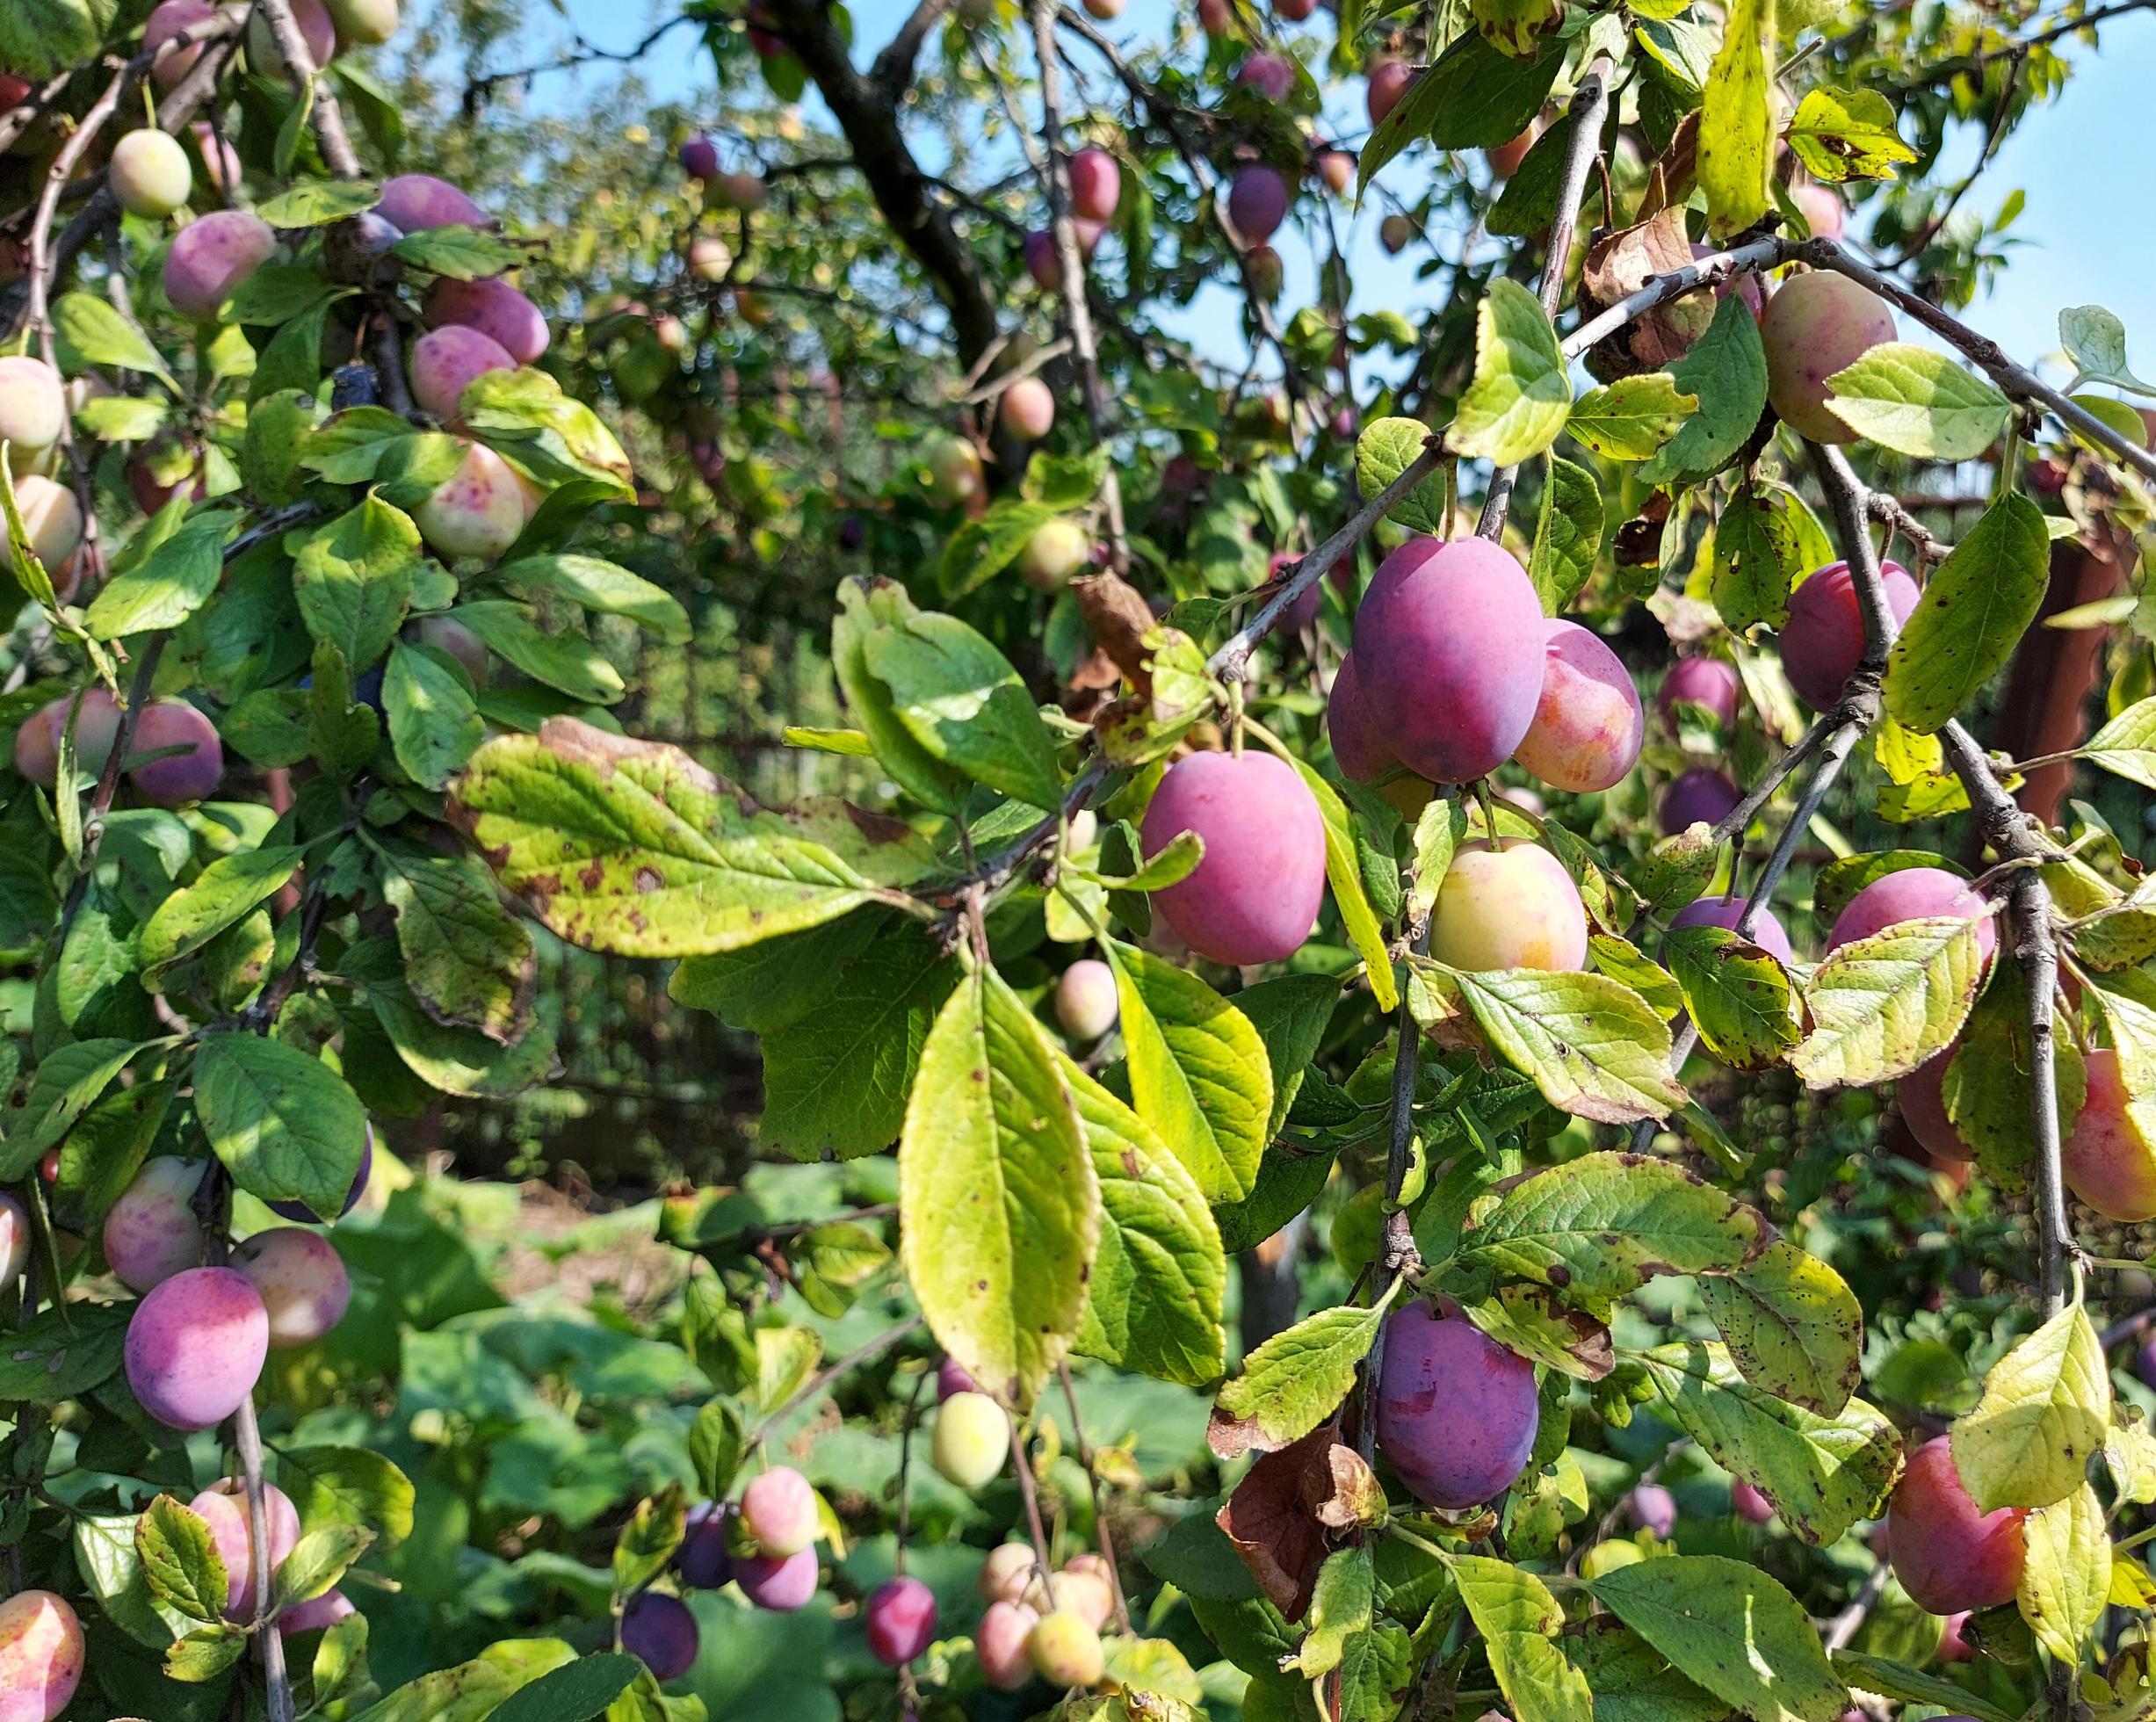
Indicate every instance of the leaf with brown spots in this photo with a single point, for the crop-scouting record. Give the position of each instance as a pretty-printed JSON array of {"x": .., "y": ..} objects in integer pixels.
[{"x": 1273, "y": 1523}]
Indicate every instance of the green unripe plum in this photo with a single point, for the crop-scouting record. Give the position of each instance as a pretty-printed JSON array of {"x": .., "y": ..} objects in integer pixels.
[
  {"x": 1056, "y": 550},
  {"x": 954, "y": 470},
  {"x": 972, "y": 1439},
  {"x": 41, "y": 1656},
  {"x": 778, "y": 1511},
  {"x": 363, "y": 23},
  {"x": 1007, "y": 1573},
  {"x": 320, "y": 34},
  {"x": 34, "y": 405},
  {"x": 447, "y": 635},
  {"x": 1000, "y": 1643},
  {"x": 1065, "y": 1651},
  {"x": 1947, "y": 1554},
  {"x": 478, "y": 510},
  {"x": 150, "y": 174},
  {"x": 1085, "y": 1000},
  {"x": 1394, "y": 232},
  {"x": 152, "y": 1232},
  {"x": 1511, "y": 907},
  {"x": 2109, "y": 1162},
  {"x": 1817, "y": 324},
  {"x": 1608, "y": 1556},
  {"x": 301, "y": 1280},
  {"x": 1589, "y": 724}
]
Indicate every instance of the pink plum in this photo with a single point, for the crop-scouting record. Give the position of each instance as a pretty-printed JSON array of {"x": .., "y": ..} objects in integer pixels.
[
  {"x": 1337, "y": 168},
  {"x": 152, "y": 1232},
  {"x": 1824, "y": 212},
  {"x": 1000, "y": 1642},
  {"x": 952, "y": 1378},
  {"x": 1710, "y": 683},
  {"x": 196, "y": 1346},
  {"x": 1922, "y": 1095},
  {"x": 301, "y": 1280},
  {"x": 1947, "y": 1555},
  {"x": 1823, "y": 641},
  {"x": 1027, "y": 409},
  {"x": 265, "y": 55},
  {"x": 1254, "y": 896},
  {"x": 1588, "y": 724},
  {"x": 176, "y": 778},
  {"x": 1748, "y": 1503},
  {"x": 1388, "y": 82},
  {"x": 1272, "y": 75},
  {"x": 2110, "y": 1164},
  {"x": 166, "y": 22},
  {"x": 223, "y": 1507},
  {"x": 37, "y": 743},
  {"x": 1652, "y": 1508},
  {"x": 317, "y": 1615},
  {"x": 477, "y": 510},
  {"x": 779, "y": 1583},
  {"x": 1257, "y": 201},
  {"x": 53, "y": 516},
  {"x": 1457, "y": 1413},
  {"x": 413, "y": 201},
  {"x": 445, "y": 360},
  {"x": 1096, "y": 184},
  {"x": 41, "y": 1656},
  {"x": 778, "y": 1511},
  {"x": 1767, "y": 933},
  {"x": 14, "y": 1240},
  {"x": 496, "y": 309},
  {"x": 902, "y": 1621},
  {"x": 1913, "y": 893},
  {"x": 1816, "y": 325},
  {"x": 1358, "y": 741},
  {"x": 211, "y": 255}
]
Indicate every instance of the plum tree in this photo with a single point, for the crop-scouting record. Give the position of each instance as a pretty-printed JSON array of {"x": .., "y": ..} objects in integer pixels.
[
  {"x": 494, "y": 307},
  {"x": 224, "y": 1508},
  {"x": 445, "y": 360},
  {"x": 167, "y": 21},
  {"x": 478, "y": 510},
  {"x": 196, "y": 1346},
  {"x": 34, "y": 405},
  {"x": 2109, "y": 1163},
  {"x": 1054, "y": 551},
  {"x": 1701, "y": 796},
  {"x": 954, "y": 470},
  {"x": 1388, "y": 83},
  {"x": 1449, "y": 649},
  {"x": 1710, "y": 683},
  {"x": 1914, "y": 894},
  {"x": 1096, "y": 184},
  {"x": 1027, "y": 409},
  {"x": 415, "y": 201},
  {"x": 1947, "y": 1555},
  {"x": 1823, "y": 641},
  {"x": 781, "y": 1584},
  {"x": 1816, "y": 324},
  {"x": 702, "y": 1560},
  {"x": 658, "y": 1630},
  {"x": 1509, "y": 907},
  {"x": 41, "y": 1656},
  {"x": 1767, "y": 931},
  {"x": 149, "y": 173},
  {"x": 266, "y": 56},
  {"x": 1654, "y": 1509},
  {"x": 1007, "y": 1573},
  {"x": 301, "y": 1280},
  {"x": 1748, "y": 1503},
  {"x": 1085, "y": 1000},
  {"x": 363, "y": 23},
  {"x": 96, "y": 727},
  {"x": 14, "y": 1241},
  {"x": 190, "y": 755},
  {"x": 902, "y": 1620},
  {"x": 1588, "y": 724},
  {"x": 1000, "y": 1641},
  {"x": 972, "y": 1439},
  {"x": 1065, "y": 1651},
  {"x": 153, "y": 1232},
  {"x": 1257, "y": 201},
  {"x": 1256, "y": 893},
  {"x": 778, "y": 1511},
  {"x": 211, "y": 255},
  {"x": 1457, "y": 1413}
]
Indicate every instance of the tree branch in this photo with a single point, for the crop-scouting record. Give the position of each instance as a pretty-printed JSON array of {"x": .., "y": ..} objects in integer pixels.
[
  {"x": 895, "y": 66},
  {"x": 305, "y": 76}
]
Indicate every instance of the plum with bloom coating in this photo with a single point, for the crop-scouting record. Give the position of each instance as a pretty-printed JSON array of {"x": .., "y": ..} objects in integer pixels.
[{"x": 1457, "y": 1413}]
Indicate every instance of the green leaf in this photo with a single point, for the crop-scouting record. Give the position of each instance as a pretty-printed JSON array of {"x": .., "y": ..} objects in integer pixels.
[
  {"x": 2065, "y": 1578},
  {"x": 119, "y": 418},
  {"x": 600, "y": 586},
  {"x": 353, "y": 580},
  {"x": 632, "y": 847},
  {"x": 63, "y": 1353},
  {"x": 1000, "y": 1211},
  {"x": 1628, "y": 419},
  {"x": 317, "y": 1561},
  {"x": 347, "y": 1486},
  {"x": 468, "y": 962},
  {"x": 1731, "y": 1628},
  {"x": 351, "y": 447},
  {"x": 648, "y": 1541},
  {"x": 1519, "y": 1621},
  {"x": 1291, "y": 1013},
  {"x": 1344, "y": 872},
  {"x": 2046, "y": 1406},
  {"x": 577, "y": 1693},
  {"x": 1971, "y": 615},
  {"x": 460, "y": 1062},
  {"x": 2126, "y": 744},
  {"x": 286, "y": 1126},
  {"x": 221, "y": 895},
  {"x": 434, "y": 721},
  {"x": 1199, "y": 1072},
  {"x": 565, "y": 660},
  {"x": 169, "y": 585},
  {"x": 1473, "y": 97},
  {"x": 66, "y": 1084},
  {"x": 1599, "y": 1226},
  {"x": 276, "y": 293},
  {"x": 315, "y": 203},
  {"x": 1340, "y": 1607},
  {"x": 1883, "y": 1005},
  {"x": 865, "y": 609},
  {"x": 1528, "y": 204},
  {"x": 1632, "y": 1682},
  {"x": 1987, "y": 1086},
  {"x": 205, "y": 1654},
  {"x": 552, "y": 436},
  {"x": 1896, "y": 1680},
  {"x": 1297, "y": 1378},
  {"x": 960, "y": 701},
  {"x": 1385, "y": 450},
  {"x": 1793, "y": 1326},
  {"x": 1847, "y": 134},
  {"x": 1567, "y": 534},
  {"x": 982, "y": 549},
  {"x": 39, "y": 38},
  {"x": 1739, "y": 997},
  {"x": 1736, "y": 144},
  {"x": 100, "y": 334},
  {"x": 1521, "y": 393},
  {"x": 181, "y": 1561},
  {"x": 717, "y": 1445},
  {"x": 464, "y": 254},
  {"x": 1159, "y": 1279},
  {"x": 473, "y": 1689},
  {"x": 1758, "y": 555},
  {"x": 1726, "y": 369},
  {"x": 1918, "y": 402},
  {"x": 2095, "y": 340}
]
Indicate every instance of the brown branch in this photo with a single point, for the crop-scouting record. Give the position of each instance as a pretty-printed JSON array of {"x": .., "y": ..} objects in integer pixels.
[
  {"x": 328, "y": 117},
  {"x": 894, "y": 66},
  {"x": 1093, "y": 1483},
  {"x": 480, "y": 88}
]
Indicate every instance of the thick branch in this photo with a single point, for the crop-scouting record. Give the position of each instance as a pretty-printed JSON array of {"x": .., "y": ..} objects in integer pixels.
[
  {"x": 300, "y": 67},
  {"x": 894, "y": 66}
]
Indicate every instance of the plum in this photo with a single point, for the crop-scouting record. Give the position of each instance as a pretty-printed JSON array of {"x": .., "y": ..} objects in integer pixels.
[
  {"x": 1008, "y": 1573},
  {"x": 1922, "y": 1095},
  {"x": 363, "y": 23},
  {"x": 951, "y": 1377},
  {"x": 1588, "y": 724},
  {"x": 2109, "y": 1162},
  {"x": 1947, "y": 1555},
  {"x": 1394, "y": 233},
  {"x": 157, "y": 470},
  {"x": 659, "y": 1632},
  {"x": 14, "y": 1240},
  {"x": 152, "y": 1232},
  {"x": 266, "y": 56},
  {"x": 300, "y": 1279},
  {"x": 1824, "y": 212},
  {"x": 211, "y": 255},
  {"x": 1266, "y": 271},
  {"x": 700, "y": 157},
  {"x": 1953, "y": 1647},
  {"x": 1272, "y": 75},
  {"x": 1077, "y": 1590},
  {"x": 447, "y": 635},
  {"x": 41, "y": 1656},
  {"x": 781, "y": 1584},
  {"x": 779, "y": 1510},
  {"x": 1337, "y": 168},
  {"x": 972, "y": 1439},
  {"x": 902, "y": 1620},
  {"x": 221, "y": 162},
  {"x": 1096, "y": 184},
  {"x": 53, "y": 517},
  {"x": 1823, "y": 641},
  {"x": 223, "y": 1507},
  {"x": 1257, "y": 202},
  {"x": 1654, "y": 1509},
  {"x": 1514, "y": 907},
  {"x": 1701, "y": 796},
  {"x": 176, "y": 778},
  {"x": 166, "y": 22},
  {"x": 1505, "y": 159},
  {"x": 317, "y": 1615},
  {"x": 1065, "y": 1651},
  {"x": 703, "y": 1559},
  {"x": 1767, "y": 933},
  {"x": 1027, "y": 409},
  {"x": 357, "y": 251},
  {"x": 1711, "y": 683},
  {"x": 195, "y": 1345},
  {"x": 96, "y": 727},
  {"x": 1105, "y": 10},
  {"x": 477, "y": 510},
  {"x": 710, "y": 258},
  {"x": 445, "y": 360},
  {"x": 1448, "y": 655},
  {"x": 414, "y": 201},
  {"x": 34, "y": 405},
  {"x": 1358, "y": 744},
  {"x": 1254, "y": 896},
  {"x": 1043, "y": 262},
  {"x": 1457, "y": 1413},
  {"x": 1748, "y": 1503},
  {"x": 954, "y": 470},
  {"x": 1085, "y": 1000},
  {"x": 1913, "y": 893},
  {"x": 1215, "y": 18},
  {"x": 1388, "y": 82},
  {"x": 1817, "y": 324},
  {"x": 1608, "y": 1555},
  {"x": 150, "y": 174},
  {"x": 496, "y": 309},
  {"x": 1054, "y": 551},
  {"x": 1000, "y": 1642},
  {"x": 739, "y": 190}
]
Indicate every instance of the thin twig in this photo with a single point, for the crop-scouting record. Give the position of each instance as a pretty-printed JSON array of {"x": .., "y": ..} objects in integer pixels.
[
  {"x": 1093, "y": 1483},
  {"x": 822, "y": 1379}
]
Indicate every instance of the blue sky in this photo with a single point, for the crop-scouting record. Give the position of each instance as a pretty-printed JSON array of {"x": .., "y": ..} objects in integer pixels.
[{"x": 2084, "y": 238}]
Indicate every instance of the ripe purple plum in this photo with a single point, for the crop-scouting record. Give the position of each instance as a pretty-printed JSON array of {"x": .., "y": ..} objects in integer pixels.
[
  {"x": 211, "y": 255},
  {"x": 972, "y": 1439},
  {"x": 1589, "y": 725},
  {"x": 1922, "y": 1095},
  {"x": 223, "y": 1507},
  {"x": 317, "y": 1615},
  {"x": 357, "y": 251},
  {"x": 778, "y": 1511},
  {"x": 1272, "y": 75},
  {"x": 700, "y": 157},
  {"x": 34, "y": 405},
  {"x": 1388, "y": 82},
  {"x": 152, "y": 1232},
  {"x": 1710, "y": 683},
  {"x": 1066, "y": 1652},
  {"x": 1817, "y": 324},
  {"x": 1027, "y": 409},
  {"x": 1008, "y": 1573},
  {"x": 702, "y": 1560},
  {"x": 1448, "y": 655},
  {"x": 1914, "y": 894},
  {"x": 1044, "y": 262},
  {"x": 37, "y": 743},
  {"x": 659, "y": 1632},
  {"x": 951, "y": 1377},
  {"x": 1257, "y": 202},
  {"x": 1457, "y": 1413},
  {"x": 494, "y": 307},
  {"x": 1085, "y": 1000},
  {"x": 363, "y": 23},
  {"x": 1256, "y": 894},
  {"x": 1514, "y": 907},
  {"x": 1824, "y": 212},
  {"x": 166, "y": 22},
  {"x": 954, "y": 470},
  {"x": 150, "y": 174},
  {"x": 1096, "y": 184},
  {"x": 416, "y": 200},
  {"x": 1947, "y": 1555},
  {"x": 14, "y": 1240},
  {"x": 2110, "y": 1164},
  {"x": 478, "y": 510},
  {"x": 1054, "y": 551},
  {"x": 902, "y": 1621},
  {"x": 1701, "y": 796},
  {"x": 191, "y": 762},
  {"x": 445, "y": 360},
  {"x": 266, "y": 56},
  {"x": 1749, "y": 1504},
  {"x": 779, "y": 1583},
  {"x": 300, "y": 1279},
  {"x": 41, "y": 1656},
  {"x": 53, "y": 517},
  {"x": 1767, "y": 933},
  {"x": 1654, "y": 1509},
  {"x": 196, "y": 1346},
  {"x": 1823, "y": 641},
  {"x": 1000, "y": 1642}
]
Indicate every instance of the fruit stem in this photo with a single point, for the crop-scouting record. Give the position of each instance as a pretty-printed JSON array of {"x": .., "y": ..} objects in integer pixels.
[{"x": 1101, "y": 1532}]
